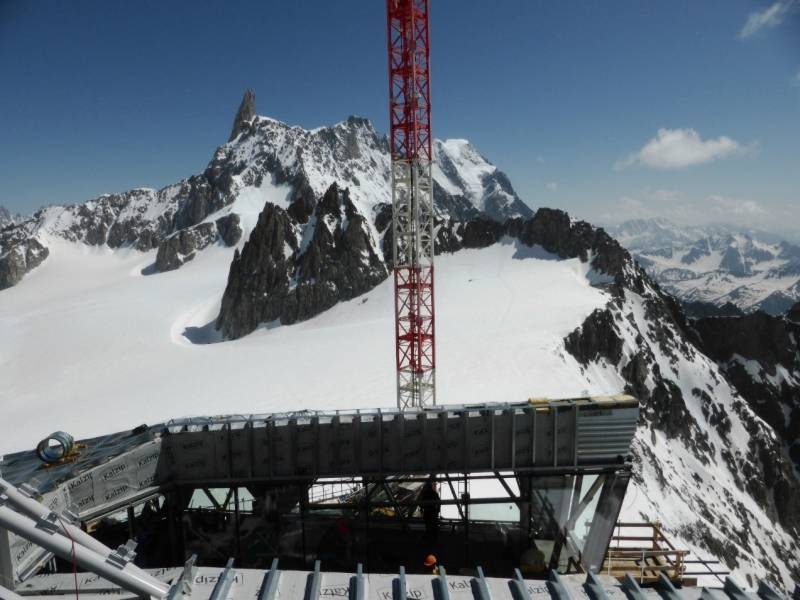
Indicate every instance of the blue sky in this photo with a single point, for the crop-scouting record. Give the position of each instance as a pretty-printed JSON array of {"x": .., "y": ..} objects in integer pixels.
[{"x": 623, "y": 108}]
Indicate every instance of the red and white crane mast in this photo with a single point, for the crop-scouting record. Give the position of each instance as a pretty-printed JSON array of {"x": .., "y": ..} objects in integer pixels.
[{"x": 412, "y": 201}]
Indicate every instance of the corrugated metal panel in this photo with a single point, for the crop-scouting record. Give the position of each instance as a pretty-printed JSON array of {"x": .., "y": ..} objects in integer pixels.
[{"x": 246, "y": 584}]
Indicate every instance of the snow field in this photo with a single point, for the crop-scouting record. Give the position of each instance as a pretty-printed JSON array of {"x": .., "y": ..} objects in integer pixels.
[{"x": 90, "y": 345}]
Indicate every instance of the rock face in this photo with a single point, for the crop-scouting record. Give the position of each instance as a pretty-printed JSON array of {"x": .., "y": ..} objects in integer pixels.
[
  {"x": 245, "y": 114},
  {"x": 707, "y": 309},
  {"x": 6, "y": 218},
  {"x": 794, "y": 313},
  {"x": 143, "y": 219},
  {"x": 760, "y": 354},
  {"x": 288, "y": 273},
  {"x": 18, "y": 260},
  {"x": 182, "y": 246},
  {"x": 712, "y": 453}
]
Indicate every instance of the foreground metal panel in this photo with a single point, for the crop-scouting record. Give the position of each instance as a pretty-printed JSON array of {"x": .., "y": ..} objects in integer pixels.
[{"x": 303, "y": 585}]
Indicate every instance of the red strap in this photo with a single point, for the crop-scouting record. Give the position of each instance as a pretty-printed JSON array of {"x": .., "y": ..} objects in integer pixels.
[{"x": 74, "y": 562}]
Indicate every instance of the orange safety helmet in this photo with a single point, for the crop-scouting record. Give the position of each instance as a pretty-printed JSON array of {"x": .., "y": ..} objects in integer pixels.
[{"x": 430, "y": 560}]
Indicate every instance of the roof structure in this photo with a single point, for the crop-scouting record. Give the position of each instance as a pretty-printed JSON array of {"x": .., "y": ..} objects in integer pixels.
[{"x": 538, "y": 441}]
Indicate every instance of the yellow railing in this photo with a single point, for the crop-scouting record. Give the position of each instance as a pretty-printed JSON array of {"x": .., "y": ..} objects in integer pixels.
[{"x": 643, "y": 554}]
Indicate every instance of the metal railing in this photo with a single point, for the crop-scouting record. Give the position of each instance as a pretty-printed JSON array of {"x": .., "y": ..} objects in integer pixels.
[{"x": 643, "y": 554}]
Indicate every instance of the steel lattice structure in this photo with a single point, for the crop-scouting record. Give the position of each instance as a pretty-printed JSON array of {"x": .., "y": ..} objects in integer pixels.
[{"x": 412, "y": 201}]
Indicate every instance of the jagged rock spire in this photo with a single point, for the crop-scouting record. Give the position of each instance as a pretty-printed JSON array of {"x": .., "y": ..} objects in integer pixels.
[
  {"x": 794, "y": 313},
  {"x": 5, "y": 216},
  {"x": 245, "y": 114}
]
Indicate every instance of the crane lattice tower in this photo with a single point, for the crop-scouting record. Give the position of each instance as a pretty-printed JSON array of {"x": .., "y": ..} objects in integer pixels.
[{"x": 412, "y": 201}]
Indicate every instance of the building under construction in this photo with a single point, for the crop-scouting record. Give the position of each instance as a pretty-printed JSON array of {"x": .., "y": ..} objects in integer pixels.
[
  {"x": 496, "y": 501},
  {"x": 314, "y": 504}
]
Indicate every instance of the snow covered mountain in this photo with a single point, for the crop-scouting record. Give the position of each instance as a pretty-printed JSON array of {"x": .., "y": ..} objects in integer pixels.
[
  {"x": 262, "y": 284},
  {"x": 6, "y": 218},
  {"x": 270, "y": 161},
  {"x": 716, "y": 264}
]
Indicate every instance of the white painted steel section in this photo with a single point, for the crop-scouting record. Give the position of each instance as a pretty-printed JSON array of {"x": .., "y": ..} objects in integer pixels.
[
  {"x": 35, "y": 510},
  {"x": 127, "y": 578}
]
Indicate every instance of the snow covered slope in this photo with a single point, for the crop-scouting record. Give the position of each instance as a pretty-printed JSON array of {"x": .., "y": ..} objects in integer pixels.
[
  {"x": 541, "y": 307},
  {"x": 716, "y": 264},
  {"x": 91, "y": 345}
]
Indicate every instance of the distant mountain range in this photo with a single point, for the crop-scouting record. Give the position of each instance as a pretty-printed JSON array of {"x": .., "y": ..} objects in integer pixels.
[
  {"x": 6, "y": 218},
  {"x": 716, "y": 267}
]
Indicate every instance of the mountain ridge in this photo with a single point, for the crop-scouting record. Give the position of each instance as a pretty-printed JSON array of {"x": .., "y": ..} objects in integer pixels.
[
  {"x": 717, "y": 264},
  {"x": 265, "y": 160}
]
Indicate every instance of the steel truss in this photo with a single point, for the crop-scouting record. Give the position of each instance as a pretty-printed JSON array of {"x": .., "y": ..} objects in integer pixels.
[{"x": 412, "y": 202}]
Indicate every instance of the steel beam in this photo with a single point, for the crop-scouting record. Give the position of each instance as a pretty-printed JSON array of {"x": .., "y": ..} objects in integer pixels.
[
  {"x": 357, "y": 591},
  {"x": 6, "y": 594},
  {"x": 665, "y": 585},
  {"x": 632, "y": 588},
  {"x": 223, "y": 585},
  {"x": 441, "y": 591},
  {"x": 314, "y": 582},
  {"x": 557, "y": 587},
  {"x": 594, "y": 587},
  {"x": 269, "y": 586},
  {"x": 51, "y": 539},
  {"x": 519, "y": 588},
  {"x": 35, "y": 510},
  {"x": 183, "y": 585},
  {"x": 399, "y": 591},
  {"x": 481, "y": 588}
]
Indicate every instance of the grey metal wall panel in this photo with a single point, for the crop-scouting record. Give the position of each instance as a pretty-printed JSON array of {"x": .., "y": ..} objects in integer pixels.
[{"x": 454, "y": 439}]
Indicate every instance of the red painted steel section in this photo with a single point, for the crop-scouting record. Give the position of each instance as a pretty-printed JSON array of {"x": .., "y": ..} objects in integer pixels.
[
  {"x": 414, "y": 319},
  {"x": 409, "y": 79},
  {"x": 410, "y": 140}
]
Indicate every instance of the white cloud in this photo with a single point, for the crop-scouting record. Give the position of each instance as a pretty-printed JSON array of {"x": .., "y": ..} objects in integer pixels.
[
  {"x": 732, "y": 208},
  {"x": 772, "y": 16},
  {"x": 680, "y": 148},
  {"x": 551, "y": 186},
  {"x": 679, "y": 208}
]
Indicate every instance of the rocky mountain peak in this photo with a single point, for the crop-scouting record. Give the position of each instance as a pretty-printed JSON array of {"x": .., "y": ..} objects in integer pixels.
[
  {"x": 6, "y": 217},
  {"x": 794, "y": 313},
  {"x": 245, "y": 114},
  {"x": 290, "y": 271}
]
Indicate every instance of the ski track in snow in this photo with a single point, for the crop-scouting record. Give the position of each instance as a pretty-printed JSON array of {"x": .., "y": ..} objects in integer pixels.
[{"x": 91, "y": 346}]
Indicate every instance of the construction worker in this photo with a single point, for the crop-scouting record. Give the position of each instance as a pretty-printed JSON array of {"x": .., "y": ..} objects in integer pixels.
[
  {"x": 431, "y": 507},
  {"x": 432, "y": 563}
]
